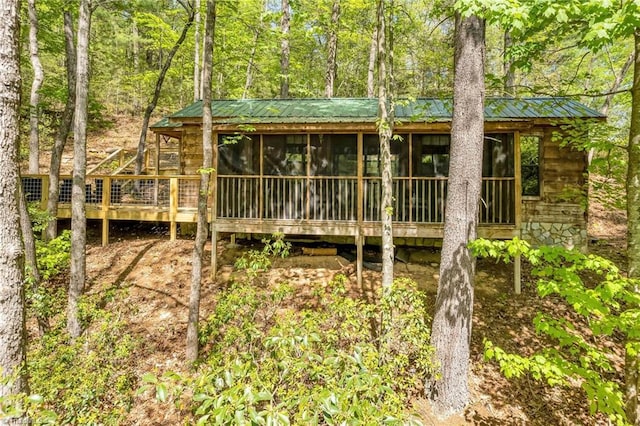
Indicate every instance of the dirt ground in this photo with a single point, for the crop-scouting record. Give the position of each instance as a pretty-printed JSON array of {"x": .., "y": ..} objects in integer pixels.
[{"x": 155, "y": 276}]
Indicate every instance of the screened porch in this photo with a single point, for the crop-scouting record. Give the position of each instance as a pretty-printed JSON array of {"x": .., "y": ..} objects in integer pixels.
[{"x": 336, "y": 178}]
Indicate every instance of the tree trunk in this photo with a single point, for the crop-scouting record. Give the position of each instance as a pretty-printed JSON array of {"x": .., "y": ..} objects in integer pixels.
[
  {"x": 632, "y": 359},
  {"x": 197, "y": 92},
  {"x": 248, "y": 82},
  {"x": 203, "y": 195},
  {"x": 63, "y": 129},
  {"x": 284, "y": 50},
  {"x": 609, "y": 98},
  {"x": 451, "y": 331},
  {"x": 385, "y": 131},
  {"x": 156, "y": 93},
  {"x": 371, "y": 85},
  {"x": 332, "y": 50},
  {"x": 31, "y": 272},
  {"x": 36, "y": 84},
  {"x": 135, "y": 35},
  {"x": 78, "y": 208},
  {"x": 12, "y": 317},
  {"x": 509, "y": 69}
]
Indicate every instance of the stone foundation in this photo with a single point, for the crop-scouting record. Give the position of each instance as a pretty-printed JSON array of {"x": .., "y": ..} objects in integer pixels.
[{"x": 555, "y": 234}]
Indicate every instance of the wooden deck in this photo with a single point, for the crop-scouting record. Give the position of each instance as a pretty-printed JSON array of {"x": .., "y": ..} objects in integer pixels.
[{"x": 334, "y": 206}]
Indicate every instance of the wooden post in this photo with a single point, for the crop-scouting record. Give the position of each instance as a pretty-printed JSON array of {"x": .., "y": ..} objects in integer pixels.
[
  {"x": 517, "y": 274},
  {"x": 360, "y": 166},
  {"x": 106, "y": 201},
  {"x": 157, "y": 159},
  {"x": 173, "y": 208},
  {"x": 359, "y": 255},
  {"x": 214, "y": 252},
  {"x": 44, "y": 195},
  {"x": 518, "y": 182}
]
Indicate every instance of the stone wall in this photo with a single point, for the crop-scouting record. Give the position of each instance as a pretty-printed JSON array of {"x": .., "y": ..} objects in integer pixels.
[{"x": 555, "y": 234}]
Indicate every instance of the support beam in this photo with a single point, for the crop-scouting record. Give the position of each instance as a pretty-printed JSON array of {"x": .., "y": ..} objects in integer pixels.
[
  {"x": 173, "y": 208},
  {"x": 517, "y": 274},
  {"x": 359, "y": 256},
  {"x": 214, "y": 253},
  {"x": 106, "y": 201}
]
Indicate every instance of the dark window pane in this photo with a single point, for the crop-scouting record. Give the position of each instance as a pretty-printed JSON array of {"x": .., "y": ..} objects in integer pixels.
[
  {"x": 530, "y": 168},
  {"x": 238, "y": 155},
  {"x": 285, "y": 155},
  {"x": 431, "y": 155},
  {"x": 334, "y": 155}
]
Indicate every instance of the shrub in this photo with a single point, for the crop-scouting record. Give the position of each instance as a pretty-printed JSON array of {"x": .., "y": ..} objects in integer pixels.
[
  {"x": 611, "y": 306},
  {"x": 335, "y": 364},
  {"x": 89, "y": 380}
]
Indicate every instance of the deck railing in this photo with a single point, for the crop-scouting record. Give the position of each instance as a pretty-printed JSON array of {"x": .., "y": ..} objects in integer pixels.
[{"x": 290, "y": 198}]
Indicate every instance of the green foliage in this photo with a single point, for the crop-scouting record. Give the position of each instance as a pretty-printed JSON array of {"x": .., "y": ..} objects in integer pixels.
[
  {"x": 254, "y": 261},
  {"x": 54, "y": 256},
  {"x": 86, "y": 381},
  {"x": 334, "y": 364},
  {"x": 610, "y": 307},
  {"x": 39, "y": 218},
  {"x": 21, "y": 406}
]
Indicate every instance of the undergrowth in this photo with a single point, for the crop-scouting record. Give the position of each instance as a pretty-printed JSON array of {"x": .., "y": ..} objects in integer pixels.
[
  {"x": 345, "y": 361},
  {"x": 88, "y": 380}
]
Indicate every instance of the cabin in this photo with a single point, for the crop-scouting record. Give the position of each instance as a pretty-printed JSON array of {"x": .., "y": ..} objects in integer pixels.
[{"x": 311, "y": 167}]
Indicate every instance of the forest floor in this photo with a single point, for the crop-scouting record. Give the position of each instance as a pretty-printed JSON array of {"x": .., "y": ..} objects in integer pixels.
[{"x": 155, "y": 276}]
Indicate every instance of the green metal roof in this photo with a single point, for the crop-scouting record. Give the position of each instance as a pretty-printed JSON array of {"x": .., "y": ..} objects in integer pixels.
[{"x": 365, "y": 110}]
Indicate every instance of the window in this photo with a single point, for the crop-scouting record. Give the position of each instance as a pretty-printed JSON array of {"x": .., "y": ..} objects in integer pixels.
[
  {"x": 238, "y": 155},
  {"x": 431, "y": 155},
  {"x": 530, "y": 146},
  {"x": 285, "y": 155},
  {"x": 498, "y": 155},
  {"x": 399, "y": 155},
  {"x": 334, "y": 155}
]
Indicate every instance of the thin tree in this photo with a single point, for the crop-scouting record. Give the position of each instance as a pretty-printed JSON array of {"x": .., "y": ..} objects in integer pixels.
[
  {"x": 332, "y": 50},
  {"x": 197, "y": 87},
  {"x": 632, "y": 356},
  {"x": 508, "y": 66},
  {"x": 385, "y": 132},
  {"x": 12, "y": 312},
  {"x": 78, "y": 208},
  {"x": 451, "y": 331},
  {"x": 64, "y": 127},
  {"x": 258, "y": 28},
  {"x": 36, "y": 84},
  {"x": 371, "y": 81},
  {"x": 284, "y": 49},
  {"x": 159, "y": 82},
  {"x": 205, "y": 177},
  {"x": 31, "y": 272}
]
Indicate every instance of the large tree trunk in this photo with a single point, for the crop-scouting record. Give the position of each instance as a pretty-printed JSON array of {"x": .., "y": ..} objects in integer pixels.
[
  {"x": 63, "y": 129},
  {"x": 78, "y": 208},
  {"x": 205, "y": 178},
  {"x": 332, "y": 50},
  {"x": 284, "y": 50},
  {"x": 371, "y": 85},
  {"x": 385, "y": 131},
  {"x": 632, "y": 361},
  {"x": 451, "y": 331},
  {"x": 197, "y": 87},
  {"x": 36, "y": 84},
  {"x": 12, "y": 326},
  {"x": 156, "y": 93}
]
